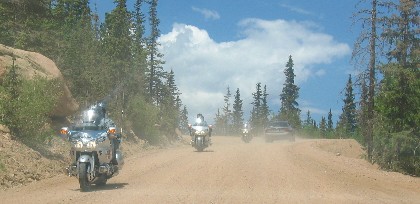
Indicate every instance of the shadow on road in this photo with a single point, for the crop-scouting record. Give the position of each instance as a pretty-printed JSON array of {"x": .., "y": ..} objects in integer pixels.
[
  {"x": 110, "y": 186},
  {"x": 205, "y": 151}
]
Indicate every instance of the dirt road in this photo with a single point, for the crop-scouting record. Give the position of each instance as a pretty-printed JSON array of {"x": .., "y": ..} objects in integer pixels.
[{"x": 230, "y": 171}]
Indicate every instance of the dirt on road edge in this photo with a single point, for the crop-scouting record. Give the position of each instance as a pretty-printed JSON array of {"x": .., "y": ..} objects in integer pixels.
[{"x": 21, "y": 165}]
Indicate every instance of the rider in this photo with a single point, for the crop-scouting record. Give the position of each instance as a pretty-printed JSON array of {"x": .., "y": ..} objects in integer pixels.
[
  {"x": 199, "y": 121},
  {"x": 97, "y": 115}
]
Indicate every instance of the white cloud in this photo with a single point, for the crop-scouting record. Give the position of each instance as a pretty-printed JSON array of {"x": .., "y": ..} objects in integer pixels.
[
  {"x": 208, "y": 14},
  {"x": 204, "y": 68},
  {"x": 320, "y": 72},
  {"x": 296, "y": 9}
]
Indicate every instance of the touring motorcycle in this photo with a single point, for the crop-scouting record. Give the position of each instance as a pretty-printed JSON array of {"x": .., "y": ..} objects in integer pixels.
[
  {"x": 95, "y": 152},
  {"x": 246, "y": 134},
  {"x": 200, "y": 134}
]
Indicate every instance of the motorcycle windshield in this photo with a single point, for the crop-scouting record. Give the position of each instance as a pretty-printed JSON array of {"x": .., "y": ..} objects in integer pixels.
[
  {"x": 87, "y": 131},
  {"x": 86, "y": 135},
  {"x": 200, "y": 128}
]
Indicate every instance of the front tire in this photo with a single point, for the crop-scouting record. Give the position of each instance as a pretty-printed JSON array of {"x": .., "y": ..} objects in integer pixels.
[{"x": 83, "y": 177}]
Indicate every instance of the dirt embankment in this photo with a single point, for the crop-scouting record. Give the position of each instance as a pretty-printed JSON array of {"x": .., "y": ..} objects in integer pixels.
[{"x": 21, "y": 165}]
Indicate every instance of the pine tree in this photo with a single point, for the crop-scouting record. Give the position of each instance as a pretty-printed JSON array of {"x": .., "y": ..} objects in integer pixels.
[
  {"x": 169, "y": 106},
  {"x": 12, "y": 82},
  {"x": 315, "y": 125},
  {"x": 265, "y": 112},
  {"x": 308, "y": 120},
  {"x": 323, "y": 127},
  {"x": 137, "y": 83},
  {"x": 362, "y": 113},
  {"x": 218, "y": 122},
  {"x": 330, "y": 124},
  {"x": 237, "y": 114},
  {"x": 154, "y": 72},
  {"x": 183, "y": 124},
  {"x": 348, "y": 120},
  {"x": 255, "y": 118},
  {"x": 227, "y": 113},
  {"x": 289, "y": 109}
]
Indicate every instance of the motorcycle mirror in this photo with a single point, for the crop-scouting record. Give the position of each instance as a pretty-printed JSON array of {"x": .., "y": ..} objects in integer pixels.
[
  {"x": 64, "y": 130},
  {"x": 112, "y": 130}
]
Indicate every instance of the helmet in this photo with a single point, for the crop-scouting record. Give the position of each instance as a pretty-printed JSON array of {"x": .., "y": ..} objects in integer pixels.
[{"x": 93, "y": 114}]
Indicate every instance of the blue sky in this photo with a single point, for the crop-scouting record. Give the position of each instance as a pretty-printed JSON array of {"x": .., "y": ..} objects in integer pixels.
[{"x": 213, "y": 44}]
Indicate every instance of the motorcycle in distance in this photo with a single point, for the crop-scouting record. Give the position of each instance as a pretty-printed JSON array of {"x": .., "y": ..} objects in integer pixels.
[
  {"x": 246, "y": 133},
  {"x": 95, "y": 152},
  {"x": 200, "y": 134}
]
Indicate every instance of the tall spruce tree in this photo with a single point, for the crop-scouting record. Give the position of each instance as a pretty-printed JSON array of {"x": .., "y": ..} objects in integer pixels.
[
  {"x": 348, "y": 122},
  {"x": 308, "y": 121},
  {"x": 362, "y": 112},
  {"x": 255, "y": 118},
  {"x": 218, "y": 122},
  {"x": 227, "y": 113},
  {"x": 237, "y": 114},
  {"x": 265, "y": 111},
  {"x": 169, "y": 106},
  {"x": 137, "y": 77},
  {"x": 323, "y": 127},
  {"x": 154, "y": 71},
  {"x": 289, "y": 109},
  {"x": 183, "y": 124},
  {"x": 330, "y": 124},
  {"x": 12, "y": 82},
  {"x": 117, "y": 47}
]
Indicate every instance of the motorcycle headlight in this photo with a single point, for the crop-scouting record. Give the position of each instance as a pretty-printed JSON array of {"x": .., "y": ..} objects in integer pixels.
[
  {"x": 200, "y": 132},
  {"x": 91, "y": 144},
  {"x": 78, "y": 144}
]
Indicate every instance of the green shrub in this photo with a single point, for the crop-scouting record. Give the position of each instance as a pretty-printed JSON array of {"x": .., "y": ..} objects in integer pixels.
[
  {"x": 28, "y": 115},
  {"x": 397, "y": 151},
  {"x": 143, "y": 116}
]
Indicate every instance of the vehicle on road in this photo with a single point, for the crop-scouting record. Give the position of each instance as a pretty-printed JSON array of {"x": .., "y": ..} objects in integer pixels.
[
  {"x": 246, "y": 133},
  {"x": 200, "y": 133},
  {"x": 95, "y": 154},
  {"x": 279, "y": 130}
]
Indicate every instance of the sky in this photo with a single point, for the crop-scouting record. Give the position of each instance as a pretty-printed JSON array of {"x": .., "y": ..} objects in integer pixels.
[{"x": 215, "y": 44}]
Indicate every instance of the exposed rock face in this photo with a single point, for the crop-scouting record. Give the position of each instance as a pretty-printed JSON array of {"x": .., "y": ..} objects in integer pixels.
[{"x": 34, "y": 64}]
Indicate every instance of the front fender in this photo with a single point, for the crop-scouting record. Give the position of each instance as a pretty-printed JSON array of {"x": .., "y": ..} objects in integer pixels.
[{"x": 85, "y": 158}]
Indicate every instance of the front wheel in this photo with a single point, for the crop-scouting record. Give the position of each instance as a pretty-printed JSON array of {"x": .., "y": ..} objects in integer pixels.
[{"x": 83, "y": 177}]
